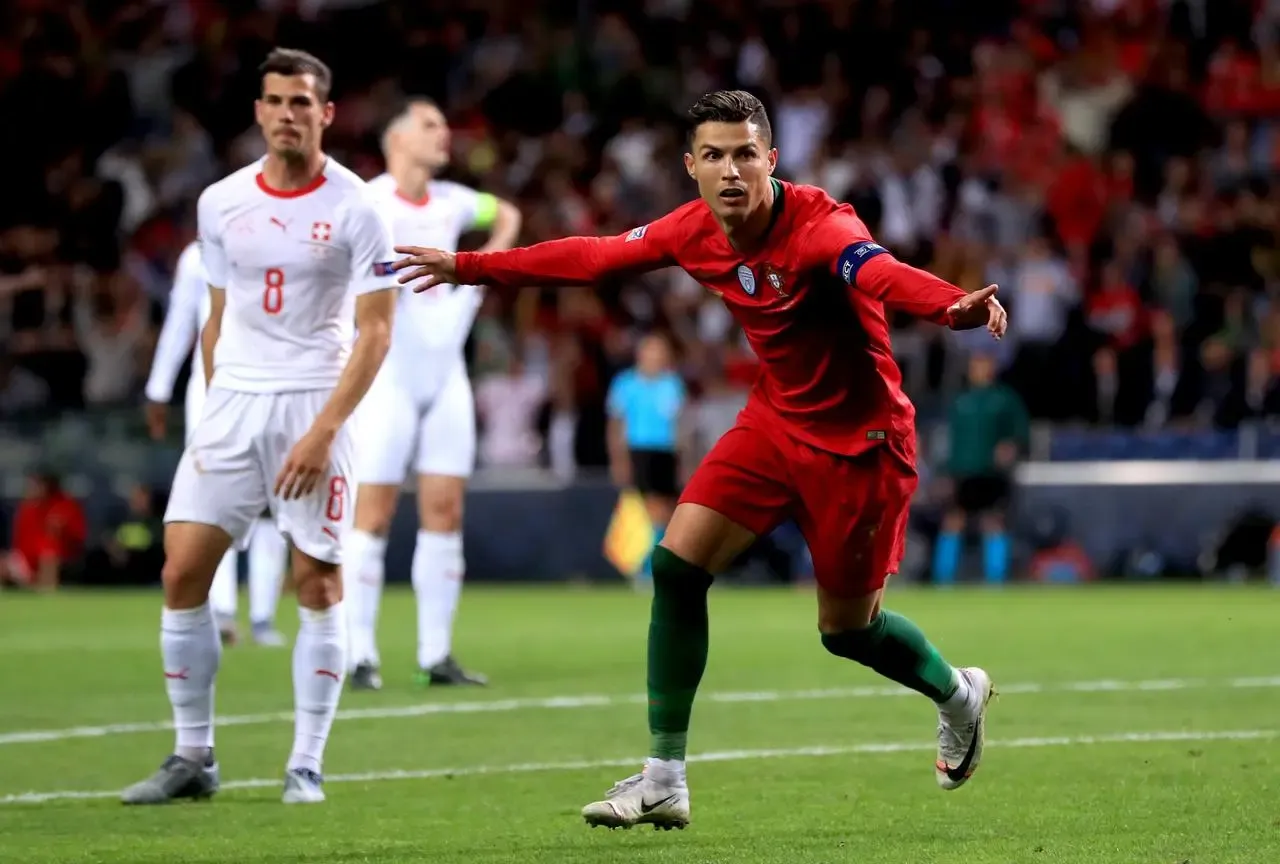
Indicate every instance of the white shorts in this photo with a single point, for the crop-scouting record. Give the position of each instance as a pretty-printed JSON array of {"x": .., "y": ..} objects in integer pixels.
[
  {"x": 398, "y": 429},
  {"x": 227, "y": 474}
]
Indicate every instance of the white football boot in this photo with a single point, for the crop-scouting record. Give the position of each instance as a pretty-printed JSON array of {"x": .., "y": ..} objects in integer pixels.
[
  {"x": 303, "y": 786},
  {"x": 662, "y": 802},
  {"x": 961, "y": 730}
]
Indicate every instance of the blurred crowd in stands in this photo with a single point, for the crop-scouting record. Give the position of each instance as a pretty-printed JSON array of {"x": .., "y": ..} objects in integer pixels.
[{"x": 1109, "y": 163}]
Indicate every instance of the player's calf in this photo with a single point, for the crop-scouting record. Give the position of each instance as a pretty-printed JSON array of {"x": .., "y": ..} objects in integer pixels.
[{"x": 897, "y": 649}]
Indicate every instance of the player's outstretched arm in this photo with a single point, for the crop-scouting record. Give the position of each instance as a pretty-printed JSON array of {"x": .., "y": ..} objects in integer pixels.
[
  {"x": 569, "y": 261},
  {"x": 843, "y": 243}
]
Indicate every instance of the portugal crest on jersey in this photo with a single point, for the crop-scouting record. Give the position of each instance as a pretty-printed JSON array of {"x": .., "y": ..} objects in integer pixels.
[
  {"x": 747, "y": 279},
  {"x": 774, "y": 278}
]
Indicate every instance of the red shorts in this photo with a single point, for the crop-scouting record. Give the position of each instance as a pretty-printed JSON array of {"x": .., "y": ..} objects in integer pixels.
[{"x": 852, "y": 510}]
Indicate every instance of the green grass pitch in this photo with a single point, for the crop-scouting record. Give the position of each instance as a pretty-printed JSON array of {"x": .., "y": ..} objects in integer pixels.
[{"x": 1135, "y": 726}]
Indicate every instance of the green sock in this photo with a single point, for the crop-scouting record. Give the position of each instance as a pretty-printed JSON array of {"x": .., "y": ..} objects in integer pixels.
[
  {"x": 678, "y": 634},
  {"x": 898, "y": 650}
]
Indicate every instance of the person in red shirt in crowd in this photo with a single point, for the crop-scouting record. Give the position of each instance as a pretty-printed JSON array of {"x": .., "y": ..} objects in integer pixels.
[
  {"x": 827, "y": 436},
  {"x": 48, "y": 533}
]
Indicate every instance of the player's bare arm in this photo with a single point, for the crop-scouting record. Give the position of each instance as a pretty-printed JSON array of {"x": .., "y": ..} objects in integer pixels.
[
  {"x": 506, "y": 227},
  {"x": 309, "y": 459},
  {"x": 212, "y": 329}
]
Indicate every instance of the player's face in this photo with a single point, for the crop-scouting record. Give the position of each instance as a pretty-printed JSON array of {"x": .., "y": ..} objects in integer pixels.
[
  {"x": 732, "y": 164},
  {"x": 426, "y": 137},
  {"x": 291, "y": 115}
]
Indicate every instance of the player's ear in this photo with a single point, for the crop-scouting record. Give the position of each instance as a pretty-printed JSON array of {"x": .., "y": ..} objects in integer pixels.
[
  {"x": 688, "y": 164},
  {"x": 327, "y": 118},
  {"x": 773, "y": 159}
]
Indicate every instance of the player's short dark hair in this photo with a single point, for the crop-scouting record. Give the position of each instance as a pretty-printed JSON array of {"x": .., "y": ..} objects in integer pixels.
[
  {"x": 402, "y": 111},
  {"x": 292, "y": 61},
  {"x": 730, "y": 106}
]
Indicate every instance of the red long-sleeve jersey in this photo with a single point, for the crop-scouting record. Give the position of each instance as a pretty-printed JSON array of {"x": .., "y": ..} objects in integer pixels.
[{"x": 811, "y": 301}]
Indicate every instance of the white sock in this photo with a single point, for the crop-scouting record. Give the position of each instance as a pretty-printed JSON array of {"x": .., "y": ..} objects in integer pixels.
[
  {"x": 958, "y": 700},
  {"x": 319, "y": 668},
  {"x": 191, "y": 650},
  {"x": 363, "y": 572},
  {"x": 223, "y": 593},
  {"x": 669, "y": 772},
  {"x": 267, "y": 551},
  {"x": 438, "y": 568}
]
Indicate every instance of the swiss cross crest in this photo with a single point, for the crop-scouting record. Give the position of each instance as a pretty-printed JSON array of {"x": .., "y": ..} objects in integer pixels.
[
  {"x": 321, "y": 231},
  {"x": 775, "y": 280}
]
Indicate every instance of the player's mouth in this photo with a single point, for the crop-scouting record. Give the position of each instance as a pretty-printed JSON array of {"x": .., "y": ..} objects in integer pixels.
[{"x": 733, "y": 193}]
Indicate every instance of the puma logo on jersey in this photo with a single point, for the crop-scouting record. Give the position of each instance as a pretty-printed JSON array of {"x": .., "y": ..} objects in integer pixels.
[{"x": 283, "y": 226}]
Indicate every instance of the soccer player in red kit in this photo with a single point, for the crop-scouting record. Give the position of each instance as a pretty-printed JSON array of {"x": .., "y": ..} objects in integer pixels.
[{"x": 827, "y": 437}]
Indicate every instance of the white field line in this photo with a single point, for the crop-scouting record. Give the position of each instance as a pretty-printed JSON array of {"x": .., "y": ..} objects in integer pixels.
[
  {"x": 34, "y": 736},
  {"x": 715, "y": 756}
]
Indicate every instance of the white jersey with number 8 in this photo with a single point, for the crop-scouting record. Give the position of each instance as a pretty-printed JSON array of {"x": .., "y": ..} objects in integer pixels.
[{"x": 292, "y": 264}]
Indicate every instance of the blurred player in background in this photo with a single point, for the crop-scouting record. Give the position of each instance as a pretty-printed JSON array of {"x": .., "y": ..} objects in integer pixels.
[
  {"x": 988, "y": 428},
  {"x": 644, "y": 405},
  {"x": 419, "y": 416},
  {"x": 827, "y": 436},
  {"x": 188, "y": 311},
  {"x": 296, "y": 256}
]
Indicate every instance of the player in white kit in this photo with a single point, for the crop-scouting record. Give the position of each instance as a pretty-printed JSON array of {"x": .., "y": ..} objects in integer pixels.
[
  {"x": 419, "y": 416},
  {"x": 188, "y": 310},
  {"x": 297, "y": 260}
]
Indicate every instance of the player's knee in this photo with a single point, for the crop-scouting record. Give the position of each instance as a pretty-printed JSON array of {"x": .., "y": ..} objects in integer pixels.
[
  {"x": 442, "y": 514},
  {"x": 185, "y": 586},
  {"x": 856, "y": 643},
  {"x": 672, "y": 574},
  {"x": 373, "y": 514},
  {"x": 319, "y": 585}
]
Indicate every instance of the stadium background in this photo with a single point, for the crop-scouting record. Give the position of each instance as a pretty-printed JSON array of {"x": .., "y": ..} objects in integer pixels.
[{"x": 1110, "y": 163}]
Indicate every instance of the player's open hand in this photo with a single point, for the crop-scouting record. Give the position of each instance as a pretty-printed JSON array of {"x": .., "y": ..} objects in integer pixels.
[
  {"x": 979, "y": 309},
  {"x": 307, "y": 464},
  {"x": 432, "y": 266}
]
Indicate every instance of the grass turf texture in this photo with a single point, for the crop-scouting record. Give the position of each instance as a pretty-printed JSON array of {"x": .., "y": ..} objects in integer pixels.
[{"x": 815, "y": 759}]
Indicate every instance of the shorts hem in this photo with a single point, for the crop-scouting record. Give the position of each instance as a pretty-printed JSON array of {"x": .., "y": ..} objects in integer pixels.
[{"x": 313, "y": 550}]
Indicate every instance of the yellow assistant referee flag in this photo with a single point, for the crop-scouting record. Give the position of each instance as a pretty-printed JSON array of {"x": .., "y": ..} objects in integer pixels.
[{"x": 630, "y": 537}]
